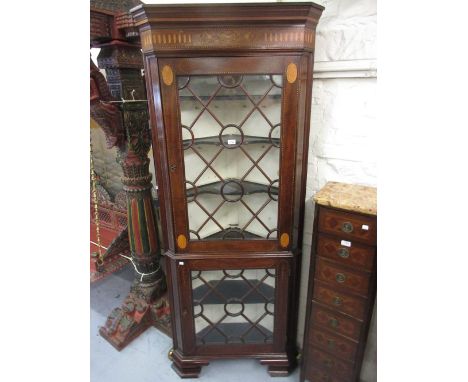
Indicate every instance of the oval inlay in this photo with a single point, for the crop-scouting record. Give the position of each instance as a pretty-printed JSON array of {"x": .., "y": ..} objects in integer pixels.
[
  {"x": 291, "y": 73},
  {"x": 284, "y": 240},
  {"x": 181, "y": 241},
  {"x": 167, "y": 75}
]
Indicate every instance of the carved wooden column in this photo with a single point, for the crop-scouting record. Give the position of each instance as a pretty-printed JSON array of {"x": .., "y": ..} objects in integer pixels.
[
  {"x": 120, "y": 108},
  {"x": 123, "y": 63}
]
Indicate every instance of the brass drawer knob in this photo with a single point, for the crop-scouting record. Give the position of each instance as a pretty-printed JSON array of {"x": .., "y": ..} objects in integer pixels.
[
  {"x": 343, "y": 253},
  {"x": 340, "y": 277},
  {"x": 337, "y": 301},
  {"x": 347, "y": 227},
  {"x": 334, "y": 322},
  {"x": 328, "y": 363}
]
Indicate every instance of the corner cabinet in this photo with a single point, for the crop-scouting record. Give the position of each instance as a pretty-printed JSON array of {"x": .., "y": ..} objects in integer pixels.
[{"x": 230, "y": 92}]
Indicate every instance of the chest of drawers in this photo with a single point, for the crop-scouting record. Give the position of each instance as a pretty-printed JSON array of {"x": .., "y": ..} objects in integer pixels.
[{"x": 342, "y": 283}]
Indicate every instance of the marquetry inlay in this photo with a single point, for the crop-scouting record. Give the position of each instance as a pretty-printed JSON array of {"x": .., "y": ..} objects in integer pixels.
[
  {"x": 284, "y": 240},
  {"x": 226, "y": 38},
  {"x": 291, "y": 73},
  {"x": 167, "y": 75},
  {"x": 181, "y": 241}
]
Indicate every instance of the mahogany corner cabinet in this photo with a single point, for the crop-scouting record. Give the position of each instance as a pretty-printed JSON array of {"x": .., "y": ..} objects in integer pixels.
[{"x": 229, "y": 89}]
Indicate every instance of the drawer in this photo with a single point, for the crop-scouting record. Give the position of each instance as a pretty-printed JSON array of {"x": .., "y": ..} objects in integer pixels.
[
  {"x": 330, "y": 364},
  {"x": 357, "y": 255},
  {"x": 342, "y": 277},
  {"x": 348, "y": 225},
  {"x": 343, "y": 302},
  {"x": 335, "y": 321},
  {"x": 315, "y": 374},
  {"x": 333, "y": 343}
]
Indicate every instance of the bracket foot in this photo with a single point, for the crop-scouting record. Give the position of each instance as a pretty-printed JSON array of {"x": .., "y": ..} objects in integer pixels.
[
  {"x": 278, "y": 367},
  {"x": 187, "y": 367}
]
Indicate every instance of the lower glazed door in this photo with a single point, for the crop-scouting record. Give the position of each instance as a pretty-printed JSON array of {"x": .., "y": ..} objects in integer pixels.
[{"x": 234, "y": 307}]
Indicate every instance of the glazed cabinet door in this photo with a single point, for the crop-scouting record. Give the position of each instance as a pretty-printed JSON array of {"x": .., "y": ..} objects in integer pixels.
[
  {"x": 233, "y": 303},
  {"x": 231, "y": 126}
]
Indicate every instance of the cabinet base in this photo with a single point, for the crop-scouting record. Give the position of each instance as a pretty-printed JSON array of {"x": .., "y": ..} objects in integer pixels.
[
  {"x": 190, "y": 367},
  {"x": 187, "y": 367},
  {"x": 278, "y": 371},
  {"x": 278, "y": 367},
  {"x": 139, "y": 311}
]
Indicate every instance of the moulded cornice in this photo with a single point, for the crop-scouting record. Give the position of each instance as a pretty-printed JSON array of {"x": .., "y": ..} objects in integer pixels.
[{"x": 246, "y": 26}]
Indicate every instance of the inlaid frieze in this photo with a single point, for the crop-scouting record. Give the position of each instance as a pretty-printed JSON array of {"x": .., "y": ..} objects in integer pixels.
[{"x": 227, "y": 38}]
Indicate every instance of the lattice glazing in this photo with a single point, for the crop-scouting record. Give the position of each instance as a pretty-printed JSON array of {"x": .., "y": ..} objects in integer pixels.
[
  {"x": 234, "y": 306},
  {"x": 231, "y": 129}
]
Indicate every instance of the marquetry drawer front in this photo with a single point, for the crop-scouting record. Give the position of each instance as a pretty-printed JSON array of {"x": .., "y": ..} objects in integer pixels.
[
  {"x": 314, "y": 374},
  {"x": 343, "y": 302},
  {"x": 348, "y": 225},
  {"x": 333, "y": 343},
  {"x": 331, "y": 364},
  {"x": 354, "y": 255},
  {"x": 342, "y": 277},
  {"x": 335, "y": 321}
]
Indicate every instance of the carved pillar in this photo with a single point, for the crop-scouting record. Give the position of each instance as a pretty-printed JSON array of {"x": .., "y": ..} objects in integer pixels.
[
  {"x": 146, "y": 304},
  {"x": 123, "y": 63},
  {"x": 121, "y": 111},
  {"x": 142, "y": 230}
]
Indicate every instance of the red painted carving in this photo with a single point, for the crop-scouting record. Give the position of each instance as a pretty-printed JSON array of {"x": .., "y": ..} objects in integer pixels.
[
  {"x": 107, "y": 115},
  {"x": 126, "y": 127}
]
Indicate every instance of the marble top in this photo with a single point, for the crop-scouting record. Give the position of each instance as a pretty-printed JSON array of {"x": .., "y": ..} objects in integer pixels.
[{"x": 351, "y": 197}]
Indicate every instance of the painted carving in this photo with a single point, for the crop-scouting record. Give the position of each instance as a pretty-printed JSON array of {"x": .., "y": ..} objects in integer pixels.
[
  {"x": 125, "y": 124},
  {"x": 104, "y": 113},
  {"x": 136, "y": 315}
]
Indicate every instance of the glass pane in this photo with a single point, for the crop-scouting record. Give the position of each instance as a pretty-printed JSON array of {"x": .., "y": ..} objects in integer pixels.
[
  {"x": 234, "y": 306},
  {"x": 231, "y": 131}
]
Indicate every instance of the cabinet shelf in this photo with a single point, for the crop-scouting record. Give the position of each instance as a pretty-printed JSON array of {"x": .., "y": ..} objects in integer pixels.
[
  {"x": 234, "y": 289},
  {"x": 228, "y": 98},
  {"x": 233, "y": 331},
  {"x": 214, "y": 140},
  {"x": 233, "y": 234},
  {"x": 231, "y": 187}
]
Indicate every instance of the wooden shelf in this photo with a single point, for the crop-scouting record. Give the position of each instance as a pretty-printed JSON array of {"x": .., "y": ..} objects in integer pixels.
[
  {"x": 248, "y": 140},
  {"x": 229, "y": 98},
  {"x": 231, "y": 188},
  {"x": 233, "y": 234},
  {"x": 233, "y": 331},
  {"x": 234, "y": 289}
]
